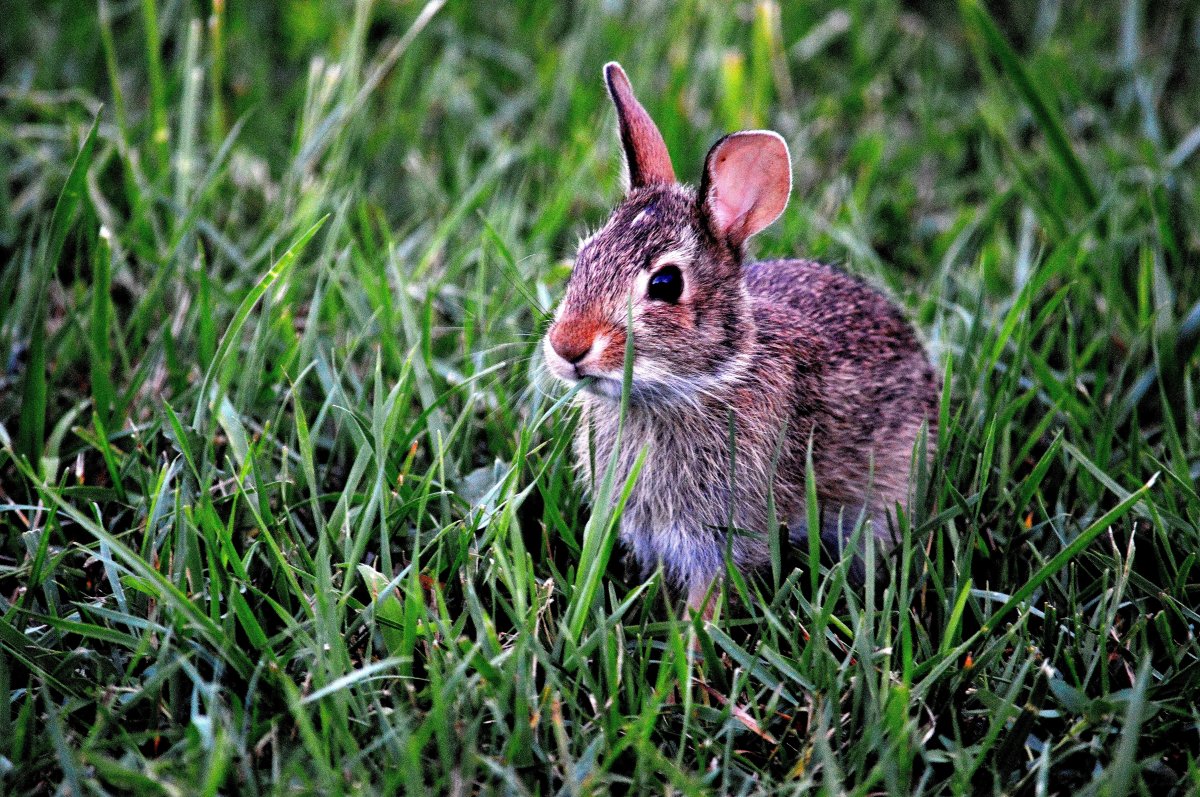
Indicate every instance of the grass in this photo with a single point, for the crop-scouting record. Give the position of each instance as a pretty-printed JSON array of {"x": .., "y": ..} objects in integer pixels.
[{"x": 282, "y": 510}]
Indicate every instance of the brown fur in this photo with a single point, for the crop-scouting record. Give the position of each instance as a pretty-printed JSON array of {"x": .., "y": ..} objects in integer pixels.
[{"x": 787, "y": 351}]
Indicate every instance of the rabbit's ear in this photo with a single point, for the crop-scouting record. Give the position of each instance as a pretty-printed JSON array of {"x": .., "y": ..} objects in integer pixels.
[
  {"x": 645, "y": 151},
  {"x": 746, "y": 183}
]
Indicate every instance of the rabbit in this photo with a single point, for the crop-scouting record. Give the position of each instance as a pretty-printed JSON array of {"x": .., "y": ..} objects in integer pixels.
[{"x": 773, "y": 354}]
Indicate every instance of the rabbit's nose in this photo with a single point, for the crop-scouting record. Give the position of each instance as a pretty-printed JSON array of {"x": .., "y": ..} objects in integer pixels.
[{"x": 569, "y": 343}]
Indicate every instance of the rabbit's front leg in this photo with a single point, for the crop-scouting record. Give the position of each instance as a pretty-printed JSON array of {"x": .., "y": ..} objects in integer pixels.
[
  {"x": 690, "y": 554},
  {"x": 698, "y": 560},
  {"x": 702, "y": 598}
]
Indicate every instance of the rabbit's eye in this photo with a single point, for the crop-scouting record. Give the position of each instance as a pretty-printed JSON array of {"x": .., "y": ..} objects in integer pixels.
[{"x": 666, "y": 285}]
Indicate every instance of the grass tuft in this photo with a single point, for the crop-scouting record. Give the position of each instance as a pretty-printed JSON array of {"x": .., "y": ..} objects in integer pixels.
[{"x": 287, "y": 501}]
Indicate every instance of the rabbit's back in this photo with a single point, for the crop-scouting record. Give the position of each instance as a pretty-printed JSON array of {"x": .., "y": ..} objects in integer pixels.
[
  {"x": 856, "y": 322},
  {"x": 862, "y": 381}
]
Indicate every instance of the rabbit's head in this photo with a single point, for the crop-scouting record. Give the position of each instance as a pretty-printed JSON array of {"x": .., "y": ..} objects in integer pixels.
[{"x": 670, "y": 256}]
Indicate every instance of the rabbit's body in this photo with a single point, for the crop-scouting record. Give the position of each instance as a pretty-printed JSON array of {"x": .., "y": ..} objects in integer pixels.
[{"x": 737, "y": 366}]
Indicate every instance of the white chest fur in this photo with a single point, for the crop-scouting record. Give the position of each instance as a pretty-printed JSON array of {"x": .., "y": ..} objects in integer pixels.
[{"x": 703, "y": 475}]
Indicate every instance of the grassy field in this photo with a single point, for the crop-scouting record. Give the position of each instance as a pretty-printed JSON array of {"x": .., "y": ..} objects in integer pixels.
[{"x": 282, "y": 510}]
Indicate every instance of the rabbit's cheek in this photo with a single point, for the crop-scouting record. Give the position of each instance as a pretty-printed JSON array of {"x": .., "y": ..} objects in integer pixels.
[
  {"x": 612, "y": 356},
  {"x": 666, "y": 321}
]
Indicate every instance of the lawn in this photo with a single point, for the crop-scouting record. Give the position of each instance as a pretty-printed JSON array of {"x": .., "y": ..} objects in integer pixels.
[{"x": 285, "y": 505}]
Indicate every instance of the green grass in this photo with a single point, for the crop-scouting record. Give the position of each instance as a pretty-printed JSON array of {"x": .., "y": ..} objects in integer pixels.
[{"x": 282, "y": 510}]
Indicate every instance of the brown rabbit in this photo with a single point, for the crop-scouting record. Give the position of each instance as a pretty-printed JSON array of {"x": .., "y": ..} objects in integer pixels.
[{"x": 773, "y": 353}]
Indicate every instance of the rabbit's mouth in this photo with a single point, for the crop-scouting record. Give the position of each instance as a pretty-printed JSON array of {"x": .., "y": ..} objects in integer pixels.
[
  {"x": 643, "y": 387},
  {"x": 603, "y": 386}
]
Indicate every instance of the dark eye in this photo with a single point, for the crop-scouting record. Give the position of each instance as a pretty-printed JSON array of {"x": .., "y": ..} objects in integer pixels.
[{"x": 666, "y": 285}]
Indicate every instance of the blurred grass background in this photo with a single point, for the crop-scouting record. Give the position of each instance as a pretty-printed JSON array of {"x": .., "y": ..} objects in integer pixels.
[{"x": 280, "y": 509}]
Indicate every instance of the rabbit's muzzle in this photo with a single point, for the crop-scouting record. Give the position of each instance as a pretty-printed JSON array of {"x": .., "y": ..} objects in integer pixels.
[{"x": 579, "y": 346}]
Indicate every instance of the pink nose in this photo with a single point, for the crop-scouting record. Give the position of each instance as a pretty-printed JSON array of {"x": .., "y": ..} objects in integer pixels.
[{"x": 572, "y": 341}]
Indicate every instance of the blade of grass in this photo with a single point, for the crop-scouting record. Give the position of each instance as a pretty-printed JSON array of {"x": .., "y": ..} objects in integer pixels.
[{"x": 1047, "y": 118}]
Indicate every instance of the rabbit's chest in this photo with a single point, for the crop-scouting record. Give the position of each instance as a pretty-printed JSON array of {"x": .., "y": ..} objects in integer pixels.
[{"x": 693, "y": 475}]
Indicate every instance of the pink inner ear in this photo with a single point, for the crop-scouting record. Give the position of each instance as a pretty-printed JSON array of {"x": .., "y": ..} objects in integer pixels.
[{"x": 748, "y": 182}]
